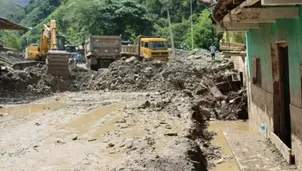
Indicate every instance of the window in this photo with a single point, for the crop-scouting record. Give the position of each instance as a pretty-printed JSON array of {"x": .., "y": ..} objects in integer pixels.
[
  {"x": 256, "y": 76},
  {"x": 146, "y": 44},
  {"x": 158, "y": 45}
]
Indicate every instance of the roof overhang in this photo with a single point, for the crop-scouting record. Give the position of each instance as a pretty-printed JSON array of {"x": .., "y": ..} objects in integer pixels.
[
  {"x": 242, "y": 15},
  {"x": 8, "y": 25}
]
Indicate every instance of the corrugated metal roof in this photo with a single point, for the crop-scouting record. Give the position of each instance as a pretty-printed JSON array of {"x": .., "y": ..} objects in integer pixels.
[{"x": 8, "y": 25}]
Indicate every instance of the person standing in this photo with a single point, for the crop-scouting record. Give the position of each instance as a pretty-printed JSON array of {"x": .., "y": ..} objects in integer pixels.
[{"x": 213, "y": 50}]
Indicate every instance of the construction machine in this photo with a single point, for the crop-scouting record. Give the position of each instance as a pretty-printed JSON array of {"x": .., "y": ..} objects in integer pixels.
[
  {"x": 50, "y": 50},
  {"x": 149, "y": 47}
]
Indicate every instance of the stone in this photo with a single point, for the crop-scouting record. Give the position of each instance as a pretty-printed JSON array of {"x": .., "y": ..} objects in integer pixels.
[
  {"x": 171, "y": 134},
  {"x": 131, "y": 59},
  {"x": 121, "y": 121},
  {"x": 110, "y": 145}
]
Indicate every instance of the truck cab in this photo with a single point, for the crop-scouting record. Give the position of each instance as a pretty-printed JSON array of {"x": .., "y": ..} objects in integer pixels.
[{"x": 154, "y": 48}]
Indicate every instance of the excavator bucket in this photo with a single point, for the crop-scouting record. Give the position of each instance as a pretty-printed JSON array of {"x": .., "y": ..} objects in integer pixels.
[{"x": 57, "y": 63}]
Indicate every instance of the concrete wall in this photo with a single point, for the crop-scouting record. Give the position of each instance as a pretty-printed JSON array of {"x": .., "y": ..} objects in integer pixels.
[
  {"x": 239, "y": 63},
  {"x": 261, "y": 108}
]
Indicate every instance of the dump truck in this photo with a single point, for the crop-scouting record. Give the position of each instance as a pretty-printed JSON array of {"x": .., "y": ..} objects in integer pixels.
[
  {"x": 101, "y": 51},
  {"x": 149, "y": 47}
]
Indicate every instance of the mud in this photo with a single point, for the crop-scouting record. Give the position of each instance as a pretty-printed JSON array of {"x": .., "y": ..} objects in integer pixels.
[
  {"x": 103, "y": 131},
  {"x": 162, "y": 126}
]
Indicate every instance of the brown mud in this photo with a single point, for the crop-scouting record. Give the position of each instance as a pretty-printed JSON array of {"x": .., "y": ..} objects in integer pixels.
[{"x": 135, "y": 115}]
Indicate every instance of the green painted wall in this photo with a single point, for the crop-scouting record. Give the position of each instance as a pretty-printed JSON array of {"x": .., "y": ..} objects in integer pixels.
[{"x": 259, "y": 44}]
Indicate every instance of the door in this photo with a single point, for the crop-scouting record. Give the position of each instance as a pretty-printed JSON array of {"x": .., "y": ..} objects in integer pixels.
[{"x": 280, "y": 64}]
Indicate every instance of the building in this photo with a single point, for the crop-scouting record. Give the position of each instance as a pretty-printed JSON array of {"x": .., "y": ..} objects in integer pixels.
[
  {"x": 8, "y": 25},
  {"x": 274, "y": 66}
]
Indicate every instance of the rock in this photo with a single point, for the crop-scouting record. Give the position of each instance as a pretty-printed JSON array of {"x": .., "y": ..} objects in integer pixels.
[
  {"x": 90, "y": 140},
  {"x": 148, "y": 72},
  {"x": 168, "y": 127},
  {"x": 3, "y": 114},
  {"x": 121, "y": 121},
  {"x": 217, "y": 93},
  {"x": 59, "y": 142},
  {"x": 205, "y": 113},
  {"x": 145, "y": 105},
  {"x": 171, "y": 134},
  {"x": 221, "y": 160},
  {"x": 131, "y": 59},
  {"x": 223, "y": 103},
  {"x": 124, "y": 126},
  {"x": 110, "y": 145},
  {"x": 75, "y": 138},
  {"x": 162, "y": 122}
]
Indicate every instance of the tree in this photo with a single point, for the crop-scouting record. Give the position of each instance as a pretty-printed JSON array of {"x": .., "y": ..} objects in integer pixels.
[
  {"x": 166, "y": 7},
  {"x": 204, "y": 34},
  {"x": 10, "y": 39},
  {"x": 113, "y": 18}
]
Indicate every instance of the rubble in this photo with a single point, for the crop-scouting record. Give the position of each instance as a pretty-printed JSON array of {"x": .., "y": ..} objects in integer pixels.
[{"x": 190, "y": 87}]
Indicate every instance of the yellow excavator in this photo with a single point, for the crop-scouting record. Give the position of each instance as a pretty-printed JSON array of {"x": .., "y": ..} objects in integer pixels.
[{"x": 51, "y": 51}]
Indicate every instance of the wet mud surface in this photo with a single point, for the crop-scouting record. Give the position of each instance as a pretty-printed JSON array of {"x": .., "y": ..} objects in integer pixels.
[
  {"x": 135, "y": 115},
  {"x": 97, "y": 131}
]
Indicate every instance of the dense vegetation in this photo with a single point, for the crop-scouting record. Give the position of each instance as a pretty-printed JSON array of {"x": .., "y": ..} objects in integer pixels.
[
  {"x": 7, "y": 6},
  {"x": 76, "y": 19}
]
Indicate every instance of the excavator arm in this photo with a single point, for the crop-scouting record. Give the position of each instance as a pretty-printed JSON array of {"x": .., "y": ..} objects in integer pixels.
[
  {"x": 47, "y": 52},
  {"x": 48, "y": 40}
]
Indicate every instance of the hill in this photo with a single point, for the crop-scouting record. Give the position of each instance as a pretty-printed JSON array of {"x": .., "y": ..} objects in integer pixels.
[
  {"x": 22, "y": 2},
  {"x": 8, "y": 7},
  {"x": 76, "y": 19}
]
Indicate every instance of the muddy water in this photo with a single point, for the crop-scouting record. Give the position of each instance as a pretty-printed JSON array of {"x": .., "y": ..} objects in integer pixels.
[
  {"x": 219, "y": 140},
  {"x": 84, "y": 123},
  {"x": 28, "y": 109}
]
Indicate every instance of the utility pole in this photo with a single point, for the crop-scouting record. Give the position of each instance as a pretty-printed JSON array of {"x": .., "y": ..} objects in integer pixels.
[
  {"x": 171, "y": 32},
  {"x": 192, "y": 31}
]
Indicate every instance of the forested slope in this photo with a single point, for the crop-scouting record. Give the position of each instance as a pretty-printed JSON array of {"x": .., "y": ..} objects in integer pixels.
[{"x": 76, "y": 19}]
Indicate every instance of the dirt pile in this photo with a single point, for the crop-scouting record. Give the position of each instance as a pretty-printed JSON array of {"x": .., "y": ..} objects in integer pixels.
[
  {"x": 132, "y": 74},
  {"x": 191, "y": 88},
  {"x": 31, "y": 81},
  {"x": 209, "y": 82},
  {"x": 11, "y": 57}
]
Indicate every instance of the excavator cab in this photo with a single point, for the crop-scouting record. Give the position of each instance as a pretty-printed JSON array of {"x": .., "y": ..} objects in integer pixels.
[{"x": 61, "y": 42}]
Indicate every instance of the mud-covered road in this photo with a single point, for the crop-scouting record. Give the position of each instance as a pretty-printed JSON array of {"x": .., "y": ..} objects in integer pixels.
[
  {"x": 95, "y": 131},
  {"x": 136, "y": 115}
]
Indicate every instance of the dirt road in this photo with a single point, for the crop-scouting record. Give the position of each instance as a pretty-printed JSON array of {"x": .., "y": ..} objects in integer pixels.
[{"x": 93, "y": 131}]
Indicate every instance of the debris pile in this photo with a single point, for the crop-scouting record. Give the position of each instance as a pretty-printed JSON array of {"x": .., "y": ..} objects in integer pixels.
[
  {"x": 190, "y": 87},
  {"x": 209, "y": 82},
  {"x": 10, "y": 57},
  {"x": 31, "y": 81}
]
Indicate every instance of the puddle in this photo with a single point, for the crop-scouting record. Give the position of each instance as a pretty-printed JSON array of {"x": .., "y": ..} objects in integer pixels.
[
  {"x": 219, "y": 140},
  {"x": 84, "y": 123},
  {"x": 28, "y": 109},
  {"x": 107, "y": 127}
]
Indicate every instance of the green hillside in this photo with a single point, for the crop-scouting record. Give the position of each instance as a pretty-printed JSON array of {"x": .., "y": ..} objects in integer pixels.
[
  {"x": 22, "y": 2},
  {"x": 76, "y": 19},
  {"x": 8, "y": 7}
]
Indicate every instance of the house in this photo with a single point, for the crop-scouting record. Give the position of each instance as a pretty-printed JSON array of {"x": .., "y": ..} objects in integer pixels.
[
  {"x": 8, "y": 25},
  {"x": 274, "y": 66}
]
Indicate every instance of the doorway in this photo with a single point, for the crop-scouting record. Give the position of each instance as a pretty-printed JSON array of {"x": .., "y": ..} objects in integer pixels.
[{"x": 282, "y": 125}]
